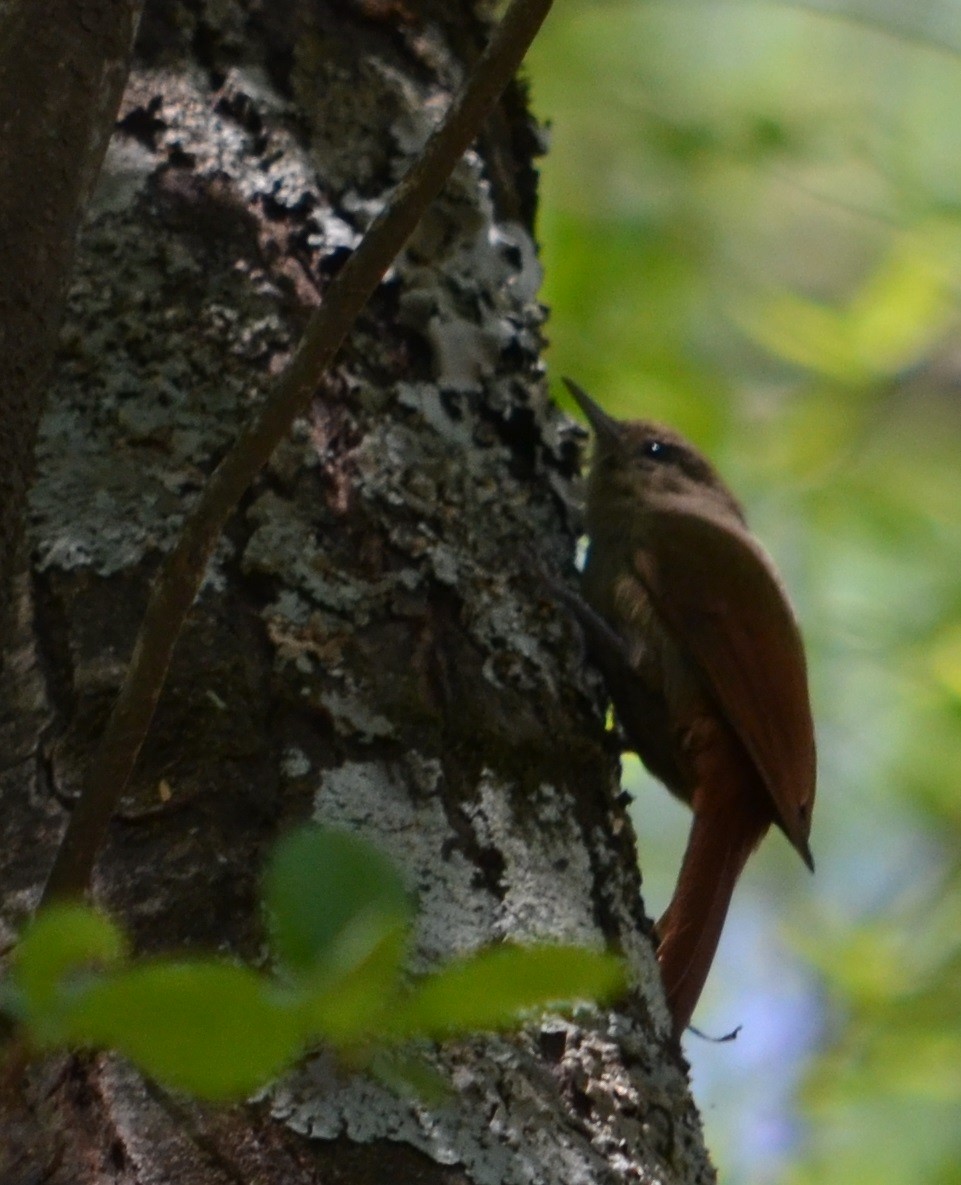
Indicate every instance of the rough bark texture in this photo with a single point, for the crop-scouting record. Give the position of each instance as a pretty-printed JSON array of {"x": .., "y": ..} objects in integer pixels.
[
  {"x": 370, "y": 648},
  {"x": 63, "y": 64}
]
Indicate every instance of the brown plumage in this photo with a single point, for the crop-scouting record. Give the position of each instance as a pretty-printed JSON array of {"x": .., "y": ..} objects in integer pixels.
[{"x": 695, "y": 635}]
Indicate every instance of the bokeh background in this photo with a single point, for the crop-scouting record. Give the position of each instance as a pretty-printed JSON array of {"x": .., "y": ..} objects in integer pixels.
[{"x": 751, "y": 228}]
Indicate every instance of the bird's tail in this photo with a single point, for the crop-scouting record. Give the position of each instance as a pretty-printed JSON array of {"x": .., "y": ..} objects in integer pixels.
[{"x": 727, "y": 827}]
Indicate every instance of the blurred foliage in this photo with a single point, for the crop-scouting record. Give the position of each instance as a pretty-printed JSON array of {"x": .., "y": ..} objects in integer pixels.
[
  {"x": 751, "y": 227},
  {"x": 340, "y": 920}
]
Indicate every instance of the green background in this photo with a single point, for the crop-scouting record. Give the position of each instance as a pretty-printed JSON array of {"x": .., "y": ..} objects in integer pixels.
[{"x": 751, "y": 228}]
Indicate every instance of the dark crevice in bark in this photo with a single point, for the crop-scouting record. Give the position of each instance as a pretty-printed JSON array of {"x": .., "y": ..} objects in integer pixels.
[{"x": 53, "y": 645}]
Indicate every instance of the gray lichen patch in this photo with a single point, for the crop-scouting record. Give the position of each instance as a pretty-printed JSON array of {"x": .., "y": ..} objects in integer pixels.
[
  {"x": 425, "y": 399},
  {"x": 547, "y": 878},
  {"x": 470, "y": 285},
  {"x": 457, "y": 512},
  {"x": 284, "y": 544},
  {"x": 377, "y": 802},
  {"x": 171, "y": 336},
  {"x": 500, "y": 1122},
  {"x": 547, "y": 871},
  {"x": 344, "y": 109},
  {"x": 149, "y": 388}
]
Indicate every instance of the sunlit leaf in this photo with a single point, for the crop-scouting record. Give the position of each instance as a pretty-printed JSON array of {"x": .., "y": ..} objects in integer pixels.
[
  {"x": 331, "y": 899},
  {"x": 61, "y": 941},
  {"x": 351, "y": 1006},
  {"x": 907, "y": 304},
  {"x": 901, "y": 310},
  {"x": 805, "y": 333},
  {"x": 213, "y": 1029},
  {"x": 491, "y": 989},
  {"x": 945, "y": 660}
]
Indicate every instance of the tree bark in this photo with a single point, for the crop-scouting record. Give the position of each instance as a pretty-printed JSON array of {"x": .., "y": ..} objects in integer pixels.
[
  {"x": 371, "y": 647},
  {"x": 63, "y": 65}
]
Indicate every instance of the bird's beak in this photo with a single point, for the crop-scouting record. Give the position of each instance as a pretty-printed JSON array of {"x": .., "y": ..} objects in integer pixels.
[{"x": 607, "y": 430}]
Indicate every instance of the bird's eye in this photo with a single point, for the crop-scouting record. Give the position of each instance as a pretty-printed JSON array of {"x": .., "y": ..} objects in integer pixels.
[{"x": 656, "y": 450}]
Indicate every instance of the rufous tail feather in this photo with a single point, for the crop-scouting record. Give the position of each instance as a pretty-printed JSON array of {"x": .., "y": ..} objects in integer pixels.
[{"x": 725, "y": 830}]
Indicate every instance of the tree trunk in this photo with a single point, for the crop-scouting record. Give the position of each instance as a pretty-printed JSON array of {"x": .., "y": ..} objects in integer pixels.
[
  {"x": 63, "y": 64},
  {"x": 372, "y": 647}
]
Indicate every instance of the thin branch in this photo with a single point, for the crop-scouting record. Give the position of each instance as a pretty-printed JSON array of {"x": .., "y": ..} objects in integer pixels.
[{"x": 183, "y": 569}]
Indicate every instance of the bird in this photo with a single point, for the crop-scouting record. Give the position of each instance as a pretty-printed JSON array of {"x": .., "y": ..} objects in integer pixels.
[{"x": 691, "y": 626}]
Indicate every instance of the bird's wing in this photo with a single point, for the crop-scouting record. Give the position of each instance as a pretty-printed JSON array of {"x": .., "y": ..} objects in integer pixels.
[{"x": 719, "y": 595}]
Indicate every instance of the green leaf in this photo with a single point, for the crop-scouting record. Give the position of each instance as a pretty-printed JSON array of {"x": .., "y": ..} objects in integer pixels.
[
  {"x": 350, "y": 1008},
  {"x": 491, "y": 989},
  {"x": 214, "y": 1029},
  {"x": 60, "y": 941},
  {"x": 908, "y": 303},
  {"x": 331, "y": 899},
  {"x": 804, "y": 332},
  {"x": 899, "y": 314}
]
